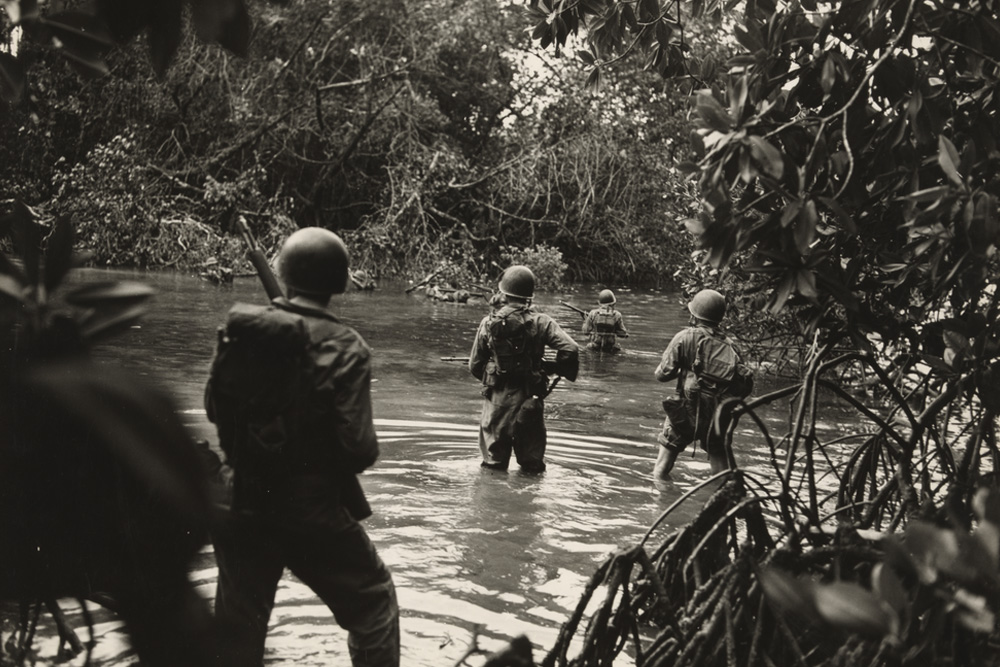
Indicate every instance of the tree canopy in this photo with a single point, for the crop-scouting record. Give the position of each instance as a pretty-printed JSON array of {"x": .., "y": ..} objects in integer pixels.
[{"x": 846, "y": 152}]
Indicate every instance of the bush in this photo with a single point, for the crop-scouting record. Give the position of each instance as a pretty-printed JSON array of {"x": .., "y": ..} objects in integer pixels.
[{"x": 544, "y": 261}]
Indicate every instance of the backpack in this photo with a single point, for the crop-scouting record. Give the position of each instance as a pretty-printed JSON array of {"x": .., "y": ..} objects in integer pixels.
[
  {"x": 719, "y": 368},
  {"x": 509, "y": 340},
  {"x": 262, "y": 372}
]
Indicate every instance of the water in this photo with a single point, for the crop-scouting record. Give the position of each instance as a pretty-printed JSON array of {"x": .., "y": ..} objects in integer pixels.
[{"x": 470, "y": 549}]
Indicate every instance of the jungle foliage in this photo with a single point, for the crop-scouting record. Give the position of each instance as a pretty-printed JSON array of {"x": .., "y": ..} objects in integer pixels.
[
  {"x": 422, "y": 132},
  {"x": 846, "y": 164}
]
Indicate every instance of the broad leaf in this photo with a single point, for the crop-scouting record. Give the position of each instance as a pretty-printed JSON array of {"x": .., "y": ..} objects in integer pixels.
[
  {"x": 97, "y": 294},
  {"x": 768, "y": 156},
  {"x": 852, "y": 608},
  {"x": 713, "y": 113},
  {"x": 793, "y": 595},
  {"x": 949, "y": 161}
]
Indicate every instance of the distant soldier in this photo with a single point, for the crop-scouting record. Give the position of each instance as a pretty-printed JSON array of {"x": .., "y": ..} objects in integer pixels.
[
  {"x": 707, "y": 367},
  {"x": 605, "y": 324},
  {"x": 289, "y": 392},
  {"x": 507, "y": 356}
]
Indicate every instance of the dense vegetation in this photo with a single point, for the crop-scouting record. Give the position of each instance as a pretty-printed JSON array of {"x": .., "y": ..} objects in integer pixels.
[
  {"x": 846, "y": 163},
  {"x": 427, "y": 134}
]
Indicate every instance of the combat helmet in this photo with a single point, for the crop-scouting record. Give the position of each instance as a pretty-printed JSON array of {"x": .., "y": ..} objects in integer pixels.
[
  {"x": 606, "y": 297},
  {"x": 708, "y": 305},
  {"x": 518, "y": 281},
  {"x": 314, "y": 260}
]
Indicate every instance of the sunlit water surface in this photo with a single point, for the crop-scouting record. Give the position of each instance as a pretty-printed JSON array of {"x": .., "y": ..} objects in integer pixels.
[{"x": 470, "y": 550}]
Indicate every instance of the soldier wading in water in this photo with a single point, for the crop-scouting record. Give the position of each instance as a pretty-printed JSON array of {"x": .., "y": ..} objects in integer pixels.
[
  {"x": 707, "y": 367},
  {"x": 507, "y": 356},
  {"x": 289, "y": 392}
]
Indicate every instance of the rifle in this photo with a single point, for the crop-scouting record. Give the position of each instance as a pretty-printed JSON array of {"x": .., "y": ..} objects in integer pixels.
[
  {"x": 464, "y": 360},
  {"x": 582, "y": 312},
  {"x": 258, "y": 260}
]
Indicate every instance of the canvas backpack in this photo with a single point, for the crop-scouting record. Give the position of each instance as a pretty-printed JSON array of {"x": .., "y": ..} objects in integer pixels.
[
  {"x": 509, "y": 333},
  {"x": 262, "y": 372},
  {"x": 719, "y": 368}
]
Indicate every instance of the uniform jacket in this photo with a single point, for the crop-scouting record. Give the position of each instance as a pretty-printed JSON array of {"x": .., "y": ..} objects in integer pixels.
[
  {"x": 546, "y": 332},
  {"x": 335, "y": 438}
]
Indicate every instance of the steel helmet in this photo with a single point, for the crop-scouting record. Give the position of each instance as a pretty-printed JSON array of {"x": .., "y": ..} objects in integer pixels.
[
  {"x": 518, "y": 281},
  {"x": 708, "y": 305},
  {"x": 607, "y": 297},
  {"x": 314, "y": 260}
]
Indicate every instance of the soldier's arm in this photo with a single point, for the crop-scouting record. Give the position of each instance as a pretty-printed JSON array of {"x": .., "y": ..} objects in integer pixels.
[
  {"x": 620, "y": 329},
  {"x": 351, "y": 399},
  {"x": 567, "y": 362},
  {"x": 480, "y": 354},
  {"x": 670, "y": 364}
]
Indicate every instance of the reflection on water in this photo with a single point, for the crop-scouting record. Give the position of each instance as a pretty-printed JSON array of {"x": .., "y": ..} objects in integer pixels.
[{"x": 467, "y": 547}]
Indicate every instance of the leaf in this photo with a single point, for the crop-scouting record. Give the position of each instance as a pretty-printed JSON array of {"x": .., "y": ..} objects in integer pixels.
[
  {"x": 137, "y": 424},
  {"x": 712, "y": 113},
  {"x": 828, "y": 77},
  {"x": 768, "y": 156},
  {"x": 105, "y": 323},
  {"x": 58, "y": 253},
  {"x": 12, "y": 288},
  {"x": 12, "y": 79},
  {"x": 805, "y": 284},
  {"x": 852, "y": 608},
  {"x": 889, "y": 587},
  {"x": 929, "y": 547},
  {"x": 97, "y": 294},
  {"x": 927, "y": 194},
  {"x": 805, "y": 227},
  {"x": 948, "y": 159},
  {"x": 586, "y": 56},
  {"x": 791, "y": 594},
  {"x": 593, "y": 80}
]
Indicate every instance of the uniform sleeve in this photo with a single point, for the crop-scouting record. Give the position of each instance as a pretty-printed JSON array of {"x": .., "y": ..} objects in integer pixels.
[
  {"x": 620, "y": 329},
  {"x": 480, "y": 354},
  {"x": 673, "y": 360},
  {"x": 349, "y": 399},
  {"x": 588, "y": 322},
  {"x": 567, "y": 351}
]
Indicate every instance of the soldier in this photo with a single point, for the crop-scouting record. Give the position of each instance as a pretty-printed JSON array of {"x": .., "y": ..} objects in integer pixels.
[
  {"x": 290, "y": 395},
  {"x": 605, "y": 324},
  {"x": 707, "y": 367},
  {"x": 507, "y": 356}
]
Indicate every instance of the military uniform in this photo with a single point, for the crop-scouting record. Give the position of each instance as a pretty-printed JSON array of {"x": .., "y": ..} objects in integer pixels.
[
  {"x": 514, "y": 383},
  {"x": 604, "y": 325},
  {"x": 690, "y": 413},
  {"x": 305, "y": 513}
]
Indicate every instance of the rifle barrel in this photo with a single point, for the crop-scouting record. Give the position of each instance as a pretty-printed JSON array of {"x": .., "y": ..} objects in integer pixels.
[{"x": 582, "y": 312}]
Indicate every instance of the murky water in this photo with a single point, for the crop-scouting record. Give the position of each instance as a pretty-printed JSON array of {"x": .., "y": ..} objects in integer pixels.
[{"x": 508, "y": 552}]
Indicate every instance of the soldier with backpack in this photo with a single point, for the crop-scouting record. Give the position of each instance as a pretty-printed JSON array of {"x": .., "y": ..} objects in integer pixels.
[
  {"x": 289, "y": 392},
  {"x": 708, "y": 369},
  {"x": 604, "y": 324},
  {"x": 507, "y": 356}
]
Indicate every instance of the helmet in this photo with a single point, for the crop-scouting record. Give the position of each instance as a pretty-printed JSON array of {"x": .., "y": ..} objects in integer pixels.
[
  {"x": 518, "y": 281},
  {"x": 708, "y": 305},
  {"x": 314, "y": 260},
  {"x": 607, "y": 296}
]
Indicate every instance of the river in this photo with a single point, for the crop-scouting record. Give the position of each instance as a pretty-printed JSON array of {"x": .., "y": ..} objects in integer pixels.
[{"x": 505, "y": 552}]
